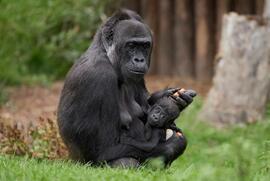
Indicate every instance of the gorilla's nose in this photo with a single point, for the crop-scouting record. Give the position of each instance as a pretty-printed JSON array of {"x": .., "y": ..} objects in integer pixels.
[
  {"x": 154, "y": 117},
  {"x": 138, "y": 60}
]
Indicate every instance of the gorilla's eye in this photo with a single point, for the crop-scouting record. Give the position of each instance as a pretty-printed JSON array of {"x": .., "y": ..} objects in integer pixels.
[
  {"x": 157, "y": 110},
  {"x": 146, "y": 45},
  {"x": 131, "y": 45}
]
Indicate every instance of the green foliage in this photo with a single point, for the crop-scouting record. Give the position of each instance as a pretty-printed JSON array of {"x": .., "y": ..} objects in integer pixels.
[
  {"x": 41, "y": 39},
  {"x": 40, "y": 141},
  {"x": 235, "y": 153},
  {"x": 3, "y": 94}
]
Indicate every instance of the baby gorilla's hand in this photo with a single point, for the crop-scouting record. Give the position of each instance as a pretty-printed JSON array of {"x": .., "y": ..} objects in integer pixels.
[{"x": 183, "y": 98}]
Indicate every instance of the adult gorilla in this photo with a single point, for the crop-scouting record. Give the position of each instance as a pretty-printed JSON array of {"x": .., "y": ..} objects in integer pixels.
[{"x": 104, "y": 94}]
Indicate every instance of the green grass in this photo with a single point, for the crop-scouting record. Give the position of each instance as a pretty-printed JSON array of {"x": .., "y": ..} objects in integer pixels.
[{"x": 235, "y": 153}]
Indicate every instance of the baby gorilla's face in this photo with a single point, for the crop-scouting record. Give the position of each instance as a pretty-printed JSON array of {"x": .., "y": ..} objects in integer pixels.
[
  {"x": 157, "y": 116},
  {"x": 163, "y": 113}
]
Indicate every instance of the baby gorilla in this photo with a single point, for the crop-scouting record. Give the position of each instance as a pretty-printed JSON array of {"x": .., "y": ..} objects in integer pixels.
[
  {"x": 150, "y": 138},
  {"x": 161, "y": 116},
  {"x": 160, "y": 122},
  {"x": 163, "y": 113}
]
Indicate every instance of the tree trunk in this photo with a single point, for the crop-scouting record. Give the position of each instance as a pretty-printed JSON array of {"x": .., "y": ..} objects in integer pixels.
[
  {"x": 245, "y": 6},
  {"x": 259, "y": 7},
  {"x": 165, "y": 46},
  {"x": 205, "y": 42},
  {"x": 134, "y": 5},
  {"x": 150, "y": 12},
  {"x": 242, "y": 80},
  {"x": 223, "y": 7},
  {"x": 183, "y": 36},
  {"x": 266, "y": 13}
]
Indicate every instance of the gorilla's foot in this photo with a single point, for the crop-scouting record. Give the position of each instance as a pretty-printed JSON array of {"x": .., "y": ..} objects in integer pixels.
[
  {"x": 169, "y": 133},
  {"x": 155, "y": 163},
  {"x": 126, "y": 162}
]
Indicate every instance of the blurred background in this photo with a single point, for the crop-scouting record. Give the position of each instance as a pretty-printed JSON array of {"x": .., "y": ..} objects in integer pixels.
[
  {"x": 187, "y": 32},
  {"x": 40, "y": 40}
]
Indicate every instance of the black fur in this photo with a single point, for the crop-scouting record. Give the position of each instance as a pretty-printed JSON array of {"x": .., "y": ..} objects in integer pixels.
[{"x": 104, "y": 95}]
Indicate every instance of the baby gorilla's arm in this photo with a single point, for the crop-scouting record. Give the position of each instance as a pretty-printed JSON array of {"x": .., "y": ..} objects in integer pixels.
[{"x": 175, "y": 128}]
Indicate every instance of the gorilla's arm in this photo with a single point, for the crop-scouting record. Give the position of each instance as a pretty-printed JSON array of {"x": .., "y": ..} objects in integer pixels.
[
  {"x": 144, "y": 145},
  {"x": 175, "y": 128},
  {"x": 89, "y": 112}
]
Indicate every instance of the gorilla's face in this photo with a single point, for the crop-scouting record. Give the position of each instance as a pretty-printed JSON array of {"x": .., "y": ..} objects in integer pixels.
[
  {"x": 133, "y": 45},
  {"x": 157, "y": 116},
  {"x": 163, "y": 113}
]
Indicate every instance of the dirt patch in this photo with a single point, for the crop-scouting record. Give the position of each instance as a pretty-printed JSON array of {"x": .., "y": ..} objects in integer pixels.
[{"x": 29, "y": 104}]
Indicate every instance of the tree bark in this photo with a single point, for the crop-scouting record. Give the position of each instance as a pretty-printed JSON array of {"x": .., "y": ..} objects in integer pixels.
[
  {"x": 223, "y": 7},
  {"x": 245, "y": 6},
  {"x": 242, "y": 80},
  {"x": 205, "y": 41},
  {"x": 184, "y": 41},
  {"x": 150, "y": 12},
  {"x": 259, "y": 7},
  {"x": 165, "y": 47},
  {"x": 266, "y": 13},
  {"x": 134, "y": 5}
]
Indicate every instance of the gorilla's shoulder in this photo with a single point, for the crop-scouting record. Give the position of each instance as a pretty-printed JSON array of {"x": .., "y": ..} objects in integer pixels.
[{"x": 88, "y": 72}]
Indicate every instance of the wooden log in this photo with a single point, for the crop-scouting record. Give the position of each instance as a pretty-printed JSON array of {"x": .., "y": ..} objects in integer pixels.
[
  {"x": 205, "y": 41},
  {"x": 242, "y": 80},
  {"x": 183, "y": 39},
  {"x": 165, "y": 48}
]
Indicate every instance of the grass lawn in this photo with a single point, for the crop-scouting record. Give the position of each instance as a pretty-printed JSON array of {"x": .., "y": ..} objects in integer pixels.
[{"x": 235, "y": 153}]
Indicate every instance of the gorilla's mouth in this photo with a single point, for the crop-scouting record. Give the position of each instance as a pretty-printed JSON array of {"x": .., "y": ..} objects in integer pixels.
[{"x": 137, "y": 72}]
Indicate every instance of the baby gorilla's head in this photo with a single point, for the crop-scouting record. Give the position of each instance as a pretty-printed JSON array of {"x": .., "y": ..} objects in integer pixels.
[{"x": 163, "y": 113}]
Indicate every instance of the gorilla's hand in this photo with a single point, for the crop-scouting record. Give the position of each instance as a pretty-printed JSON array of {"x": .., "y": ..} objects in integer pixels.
[
  {"x": 185, "y": 98},
  {"x": 169, "y": 91},
  {"x": 159, "y": 94}
]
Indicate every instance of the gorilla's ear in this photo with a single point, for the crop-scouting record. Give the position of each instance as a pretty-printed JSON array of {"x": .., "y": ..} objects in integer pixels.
[{"x": 108, "y": 28}]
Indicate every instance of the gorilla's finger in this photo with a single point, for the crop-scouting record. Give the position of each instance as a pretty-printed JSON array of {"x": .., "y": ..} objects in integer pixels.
[
  {"x": 186, "y": 97},
  {"x": 191, "y": 93},
  {"x": 173, "y": 90},
  {"x": 180, "y": 102}
]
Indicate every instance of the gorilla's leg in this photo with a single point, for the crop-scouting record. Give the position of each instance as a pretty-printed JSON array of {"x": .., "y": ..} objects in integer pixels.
[
  {"x": 171, "y": 149},
  {"x": 124, "y": 156}
]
